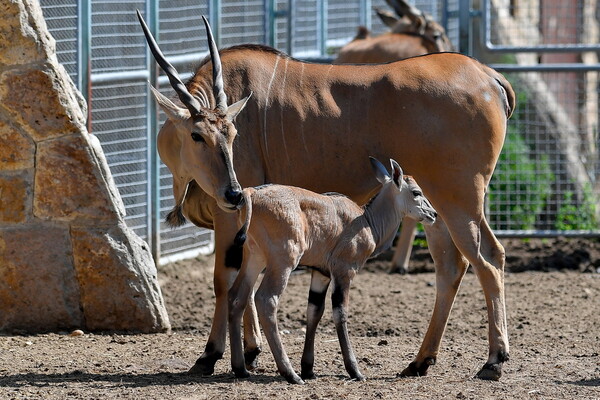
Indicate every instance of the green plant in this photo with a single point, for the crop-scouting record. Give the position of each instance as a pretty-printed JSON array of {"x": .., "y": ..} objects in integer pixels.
[
  {"x": 574, "y": 216},
  {"x": 520, "y": 187}
]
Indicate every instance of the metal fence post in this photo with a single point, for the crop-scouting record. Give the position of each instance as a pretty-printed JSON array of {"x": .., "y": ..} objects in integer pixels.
[
  {"x": 365, "y": 13},
  {"x": 322, "y": 27},
  {"x": 153, "y": 169},
  {"x": 84, "y": 65},
  {"x": 464, "y": 26},
  {"x": 214, "y": 14}
]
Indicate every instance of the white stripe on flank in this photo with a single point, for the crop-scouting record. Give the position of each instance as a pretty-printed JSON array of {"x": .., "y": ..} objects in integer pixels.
[
  {"x": 301, "y": 117},
  {"x": 267, "y": 105},
  {"x": 281, "y": 109}
]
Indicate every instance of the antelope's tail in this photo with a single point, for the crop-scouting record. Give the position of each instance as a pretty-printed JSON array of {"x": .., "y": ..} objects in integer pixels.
[{"x": 235, "y": 252}]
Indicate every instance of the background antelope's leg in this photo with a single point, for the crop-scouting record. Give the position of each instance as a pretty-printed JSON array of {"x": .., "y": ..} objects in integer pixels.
[
  {"x": 490, "y": 272},
  {"x": 267, "y": 301},
  {"x": 238, "y": 298},
  {"x": 408, "y": 230},
  {"x": 252, "y": 336},
  {"x": 316, "y": 305},
  {"x": 340, "y": 299},
  {"x": 225, "y": 230},
  {"x": 450, "y": 267}
]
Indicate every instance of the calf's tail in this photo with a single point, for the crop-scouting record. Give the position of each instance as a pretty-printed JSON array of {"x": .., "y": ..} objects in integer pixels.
[{"x": 235, "y": 252}]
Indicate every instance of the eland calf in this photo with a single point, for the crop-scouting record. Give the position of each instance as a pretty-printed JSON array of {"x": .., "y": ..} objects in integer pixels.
[{"x": 285, "y": 226}]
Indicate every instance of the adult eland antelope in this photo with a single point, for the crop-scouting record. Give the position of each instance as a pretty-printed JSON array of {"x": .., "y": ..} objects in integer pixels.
[
  {"x": 285, "y": 226},
  {"x": 412, "y": 33},
  {"x": 444, "y": 115}
]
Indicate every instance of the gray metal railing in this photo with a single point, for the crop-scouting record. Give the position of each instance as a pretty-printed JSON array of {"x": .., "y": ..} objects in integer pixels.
[{"x": 102, "y": 48}]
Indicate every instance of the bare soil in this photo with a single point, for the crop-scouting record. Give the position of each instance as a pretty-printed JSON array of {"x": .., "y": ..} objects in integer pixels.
[{"x": 553, "y": 301}]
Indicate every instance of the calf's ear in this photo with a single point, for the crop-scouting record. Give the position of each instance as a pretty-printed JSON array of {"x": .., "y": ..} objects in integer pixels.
[
  {"x": 380, "y": 172},
  {"x": 397, "y": 173}
]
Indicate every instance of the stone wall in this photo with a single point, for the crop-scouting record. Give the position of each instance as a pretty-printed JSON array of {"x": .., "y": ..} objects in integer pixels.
[{"x": 67, "y": 259}]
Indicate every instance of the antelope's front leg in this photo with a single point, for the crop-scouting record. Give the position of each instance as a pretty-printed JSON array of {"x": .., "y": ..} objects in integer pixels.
[
  {"x": 225, "y": 230},
  {"x": 316, "y": 305},
  {"x": 340, "y": 299}
]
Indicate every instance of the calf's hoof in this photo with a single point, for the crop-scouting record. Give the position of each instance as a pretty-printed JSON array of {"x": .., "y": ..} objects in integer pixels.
[
  {"x": 251, "y": 359},
  {"x": 399, "y": 270},
  {"x": 306, "y": 375},
  {"x": 415, "y": 369},
  {"x": 358, "y": 377},
  {"x": 490, "y": 372},
  {"x": 293, "y": 378}
]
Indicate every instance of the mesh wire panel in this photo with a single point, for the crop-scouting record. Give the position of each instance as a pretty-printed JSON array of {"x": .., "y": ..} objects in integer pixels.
[
  {"x": 547, "y": 176},
  {"x": 61, "y": 19},
  {"x": 343, "y": 17},
  {"x": 242, "y": 22},
  {"x": 117, "y": 42},
  {"x": 119, "y": 122},
  {"x": 547, "y": 22},
  {"x": 181, "y": 27},
  {"x": 305, "y": 35}
]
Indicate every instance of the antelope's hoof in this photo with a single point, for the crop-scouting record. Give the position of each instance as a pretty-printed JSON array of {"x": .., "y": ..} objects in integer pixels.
[
  {"x": 203, "y": 367},
  {"x": 251, "y": 359},
  {"x": 490, "y": 372},
  {"x": 241, "y": 373},
  {"x": 414, "y": 369}
]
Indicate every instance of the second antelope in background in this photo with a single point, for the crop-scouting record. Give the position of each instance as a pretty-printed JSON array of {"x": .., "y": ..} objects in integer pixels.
[{"x": 285, "y": 226}]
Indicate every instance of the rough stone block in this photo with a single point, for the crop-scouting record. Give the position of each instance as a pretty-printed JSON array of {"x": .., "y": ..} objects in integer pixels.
[
  {"x": 117, "y": 279},
  {"x": 15, "y": 197},
  {"x": 35, "y": 98},
  {"x": 37, "y": 260},
  {"x": 23, "y": 40},
  {"x": 68, "y": 183},
  {"x": 16, "y": 150}
]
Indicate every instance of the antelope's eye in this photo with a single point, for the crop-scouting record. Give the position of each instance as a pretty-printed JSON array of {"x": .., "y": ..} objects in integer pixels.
[
  {"x": 196, "y": 137},
  {"x": 416, "y": 193}
]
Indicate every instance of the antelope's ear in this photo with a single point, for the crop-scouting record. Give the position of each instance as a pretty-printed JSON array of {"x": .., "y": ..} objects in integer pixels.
[
  {"x": 386, "y": 17},
  {"x": 173, "y": 111},
  {"x": 397, "y": 173},
  {"x": 380, "y": 172},
  {"x": 234, "y": 109}
]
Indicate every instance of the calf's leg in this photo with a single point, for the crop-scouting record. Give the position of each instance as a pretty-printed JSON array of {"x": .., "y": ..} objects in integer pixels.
[
  {"x": 267, "y": 301},
  {"x": 316, "y": 305},
  {"x": 340, "y": 298}
]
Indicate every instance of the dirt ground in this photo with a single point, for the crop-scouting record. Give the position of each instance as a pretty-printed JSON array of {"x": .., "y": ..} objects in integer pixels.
[{"x": 553, "y": 302}]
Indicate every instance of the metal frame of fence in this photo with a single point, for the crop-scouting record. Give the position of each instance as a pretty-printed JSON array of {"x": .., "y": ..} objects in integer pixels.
[{"x": 102, "y": 48}]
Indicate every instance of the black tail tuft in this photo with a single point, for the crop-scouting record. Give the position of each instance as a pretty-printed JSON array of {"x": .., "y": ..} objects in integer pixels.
[
  {"x": 235, "y": 253},
  {"x": 175, "y": 217}
]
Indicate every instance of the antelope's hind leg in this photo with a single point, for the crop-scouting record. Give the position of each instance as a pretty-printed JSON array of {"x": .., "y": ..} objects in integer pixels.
[
  {"x": 450, "y": 267},
  {"x": 316, "y": 305},
  {"x": 490, "y": 272}
]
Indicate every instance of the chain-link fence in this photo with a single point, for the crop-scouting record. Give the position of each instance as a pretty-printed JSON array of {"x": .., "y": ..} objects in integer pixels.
[{"x": 546, "y": 180}]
